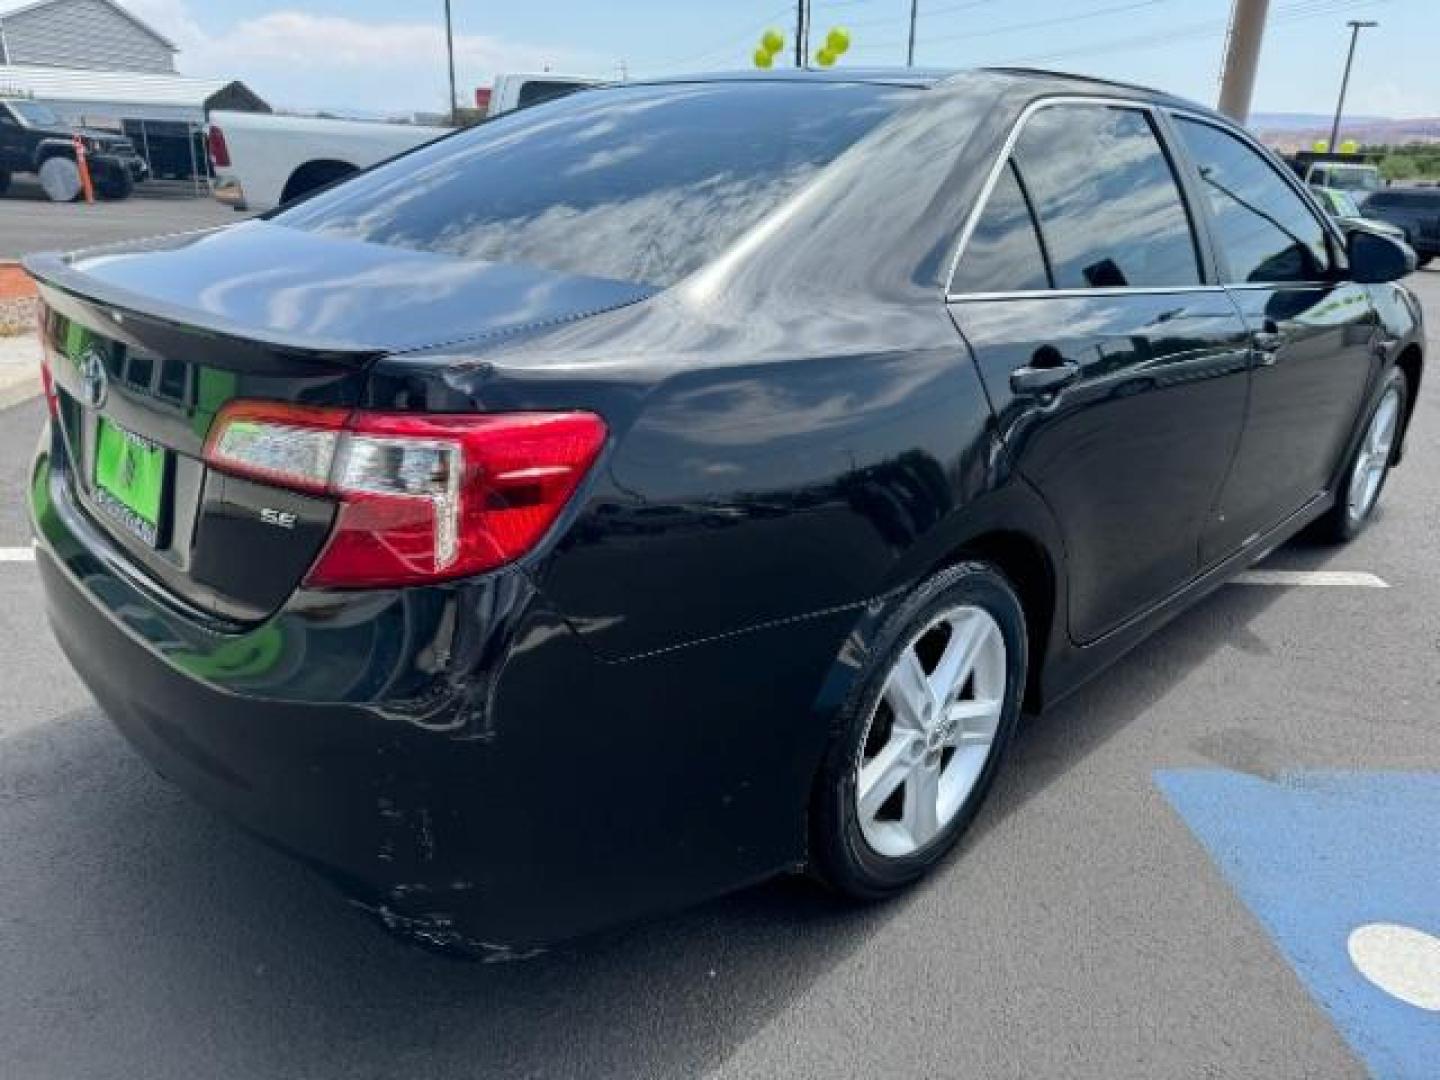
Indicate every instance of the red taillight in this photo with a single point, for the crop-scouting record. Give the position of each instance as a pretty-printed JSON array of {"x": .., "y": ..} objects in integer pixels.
[
  {"x": 47, "y": 376},
  {"x": 219, "y": 152},
  {"x": 422, "y": 497}
]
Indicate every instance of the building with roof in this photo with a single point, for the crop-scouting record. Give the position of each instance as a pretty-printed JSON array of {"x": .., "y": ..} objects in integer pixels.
[
  {"x": 95, "y": 63},
  {"x": 97, "y": 35}
]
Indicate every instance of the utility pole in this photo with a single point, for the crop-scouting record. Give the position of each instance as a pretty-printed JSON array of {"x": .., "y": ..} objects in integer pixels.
[
  {"x": 910, "y": 52},
  {"x": 450, "y": 53},
  {"x": 799, "y": 33},
  {"x": 1356, "y": 25},
  {"x": 1242, "y": 57}
]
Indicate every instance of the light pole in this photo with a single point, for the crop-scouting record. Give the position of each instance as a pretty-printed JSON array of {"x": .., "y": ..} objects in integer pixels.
[
  {"x": 910, "y": 52},
  {"x": 450, "y": 54},
  {"x": 1356, "y": 25}
]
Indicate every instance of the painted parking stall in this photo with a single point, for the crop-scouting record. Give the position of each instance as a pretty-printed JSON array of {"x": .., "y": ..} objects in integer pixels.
[{"x": 1341, "y": 869}]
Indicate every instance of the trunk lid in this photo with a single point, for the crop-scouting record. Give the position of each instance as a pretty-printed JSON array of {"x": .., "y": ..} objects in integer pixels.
[{"x": 148, "y": 342}]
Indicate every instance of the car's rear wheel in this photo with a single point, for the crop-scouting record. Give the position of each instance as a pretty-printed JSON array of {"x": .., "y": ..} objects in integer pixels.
[
  {"x": 4, "y": 181},
  {"x": 923, "y": 733},
  {"x": 1369, "y": 466}
]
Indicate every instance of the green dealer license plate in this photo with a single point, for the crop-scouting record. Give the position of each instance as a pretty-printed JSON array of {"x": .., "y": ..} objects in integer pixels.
[{"x": 130, "y": 480}]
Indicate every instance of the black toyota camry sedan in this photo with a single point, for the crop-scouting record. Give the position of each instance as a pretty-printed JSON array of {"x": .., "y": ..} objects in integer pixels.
[{"x": 683, "y": 483}]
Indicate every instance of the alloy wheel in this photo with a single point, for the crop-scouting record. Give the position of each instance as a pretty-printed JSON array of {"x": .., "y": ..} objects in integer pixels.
[
  {"x": 1373, "y": 458},
  {"x": 931, "y": 732}
]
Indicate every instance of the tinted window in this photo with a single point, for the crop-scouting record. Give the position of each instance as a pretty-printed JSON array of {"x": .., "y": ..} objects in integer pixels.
[
  {"x": 1003, "y": 253},
  {"x": 1109, "y": 207},
  {"x": 643, "y": 183},
  {"x": 534, "y": 91},
  {"x": 1264, "y": 230}
]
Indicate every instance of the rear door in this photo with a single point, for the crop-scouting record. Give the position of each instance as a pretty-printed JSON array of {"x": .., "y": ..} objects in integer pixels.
[
  {"x": 1117, "y": 373},
  {"x": 13, "y": 143},
  {"x": 1314, "y": 334}
]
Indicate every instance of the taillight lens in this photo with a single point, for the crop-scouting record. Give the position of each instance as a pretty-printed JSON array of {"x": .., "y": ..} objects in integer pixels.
[
  {"x": 47, "y": 374},
  {"x": 219, "y": 152},
  {"x": 422, "y": 497}
]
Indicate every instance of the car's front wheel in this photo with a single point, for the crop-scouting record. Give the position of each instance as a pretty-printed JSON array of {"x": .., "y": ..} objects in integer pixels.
[
  {"x": 1369, "y": 464},
  {"x": 923, "y": 733}
]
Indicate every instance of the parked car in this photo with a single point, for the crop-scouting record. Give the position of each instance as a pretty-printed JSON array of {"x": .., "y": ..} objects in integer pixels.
[
  {"x": 33, "y": 139},
  {"x": 519, "y": 91},
  {"x": 1341, "y": 206},
  {"x": 1357, "y": 173},
  {"x": 682, "y": 483},
  {"x": 1416, "y": 210},
  {"x": 261, "y": 160}
]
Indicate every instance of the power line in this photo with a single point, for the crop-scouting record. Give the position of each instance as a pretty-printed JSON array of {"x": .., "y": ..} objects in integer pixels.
[
  {"x": 1301, "y": 11},
  {"x": 735, "y": 43}
]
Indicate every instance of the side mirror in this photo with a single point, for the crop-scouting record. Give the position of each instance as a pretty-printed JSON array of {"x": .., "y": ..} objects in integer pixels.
[{"x": 1376, "y": 259}]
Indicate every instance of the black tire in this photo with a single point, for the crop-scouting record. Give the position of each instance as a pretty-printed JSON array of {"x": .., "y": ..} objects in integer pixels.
[
  {"x": 1340, "y": 524},
  {"x": 840, "y": 855},
  {"x": 1422, "y": 261},
  {"x": 116, "y": 185},
  {"x": 4, "y": 181}
]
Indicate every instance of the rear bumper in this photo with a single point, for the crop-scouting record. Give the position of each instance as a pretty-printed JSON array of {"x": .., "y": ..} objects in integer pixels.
[{"x": 454, "y": 758}]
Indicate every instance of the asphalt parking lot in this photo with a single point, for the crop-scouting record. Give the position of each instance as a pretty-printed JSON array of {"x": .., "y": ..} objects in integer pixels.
[
  {"x": 30, "y": 222},
  {"x": 1167, "y": 882}
]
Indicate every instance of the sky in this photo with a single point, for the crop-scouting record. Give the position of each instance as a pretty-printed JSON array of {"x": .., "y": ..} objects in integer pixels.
[{"x": 388, "y": 56}]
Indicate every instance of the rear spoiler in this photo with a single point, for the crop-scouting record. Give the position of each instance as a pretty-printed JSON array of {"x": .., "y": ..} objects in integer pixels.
[{"x": 63, "y": 287}]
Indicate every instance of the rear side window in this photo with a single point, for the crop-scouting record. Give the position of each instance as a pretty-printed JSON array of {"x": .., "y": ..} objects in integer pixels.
[
  {"x": 1263, "y": 228},
  {"x": 1110, "y": 209},
  {"x": 640, "y": 183},
  {"x": 1003, "y": 254}
]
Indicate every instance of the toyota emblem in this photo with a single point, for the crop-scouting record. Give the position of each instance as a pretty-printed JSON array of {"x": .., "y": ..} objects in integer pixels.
[{"x": 95, "y": 381}]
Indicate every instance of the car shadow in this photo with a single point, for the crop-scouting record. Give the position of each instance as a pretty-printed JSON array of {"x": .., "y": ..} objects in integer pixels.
[{"x": 146, "y": 933}]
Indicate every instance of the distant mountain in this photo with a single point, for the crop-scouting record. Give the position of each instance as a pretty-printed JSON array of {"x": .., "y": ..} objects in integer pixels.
[
  {"x": 1295, "y": 121},
  {"x": 1298, "y": 131}
]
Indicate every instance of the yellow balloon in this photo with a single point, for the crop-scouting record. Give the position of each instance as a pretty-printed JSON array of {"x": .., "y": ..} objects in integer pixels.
[
  {"x": 764, "y": 58},
  {"x": 837, "y": 42},
  {"x": 825, "y": 58},
  {"x": 1349, "y": 146},
  {"x": 1320, "y": 146},
  {"x": 772, "y": 41}
]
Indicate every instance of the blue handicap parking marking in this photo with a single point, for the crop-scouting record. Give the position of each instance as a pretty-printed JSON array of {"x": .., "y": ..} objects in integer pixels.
[{"x": 1343, "y": 871}]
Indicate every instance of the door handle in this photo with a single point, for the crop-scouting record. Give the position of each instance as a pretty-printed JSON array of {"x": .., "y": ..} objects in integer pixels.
[
  {"x": 1044, "y": 378},
  {"x": 1265, "y": 344}
]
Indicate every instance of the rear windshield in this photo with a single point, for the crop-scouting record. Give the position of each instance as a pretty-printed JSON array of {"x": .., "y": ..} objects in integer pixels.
[{"x": 643, "y": 184}]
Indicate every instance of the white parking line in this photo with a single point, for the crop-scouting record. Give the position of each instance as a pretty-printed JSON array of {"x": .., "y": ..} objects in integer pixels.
[
  {"x": 1356, "y": 579},
  {"x": 25, "y": 554}
]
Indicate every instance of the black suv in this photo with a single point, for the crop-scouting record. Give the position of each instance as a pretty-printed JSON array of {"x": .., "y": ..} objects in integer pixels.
[
  {"x": 33, "y": 139},
  {"x": 1416, "y": 210}
]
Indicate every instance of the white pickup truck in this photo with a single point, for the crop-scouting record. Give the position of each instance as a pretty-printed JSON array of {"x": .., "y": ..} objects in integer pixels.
[{"x": 262, "y": 160}]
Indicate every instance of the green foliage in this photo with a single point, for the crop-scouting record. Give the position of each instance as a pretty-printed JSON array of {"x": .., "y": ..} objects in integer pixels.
[{"x": 1414, "y": 161}]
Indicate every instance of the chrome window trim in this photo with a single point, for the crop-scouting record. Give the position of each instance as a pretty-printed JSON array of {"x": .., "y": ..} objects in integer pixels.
[
  {"x": 1077, "y": 294},
  {"x": 972, "y": 222},
  {"x": 1243, "y": 285}
]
